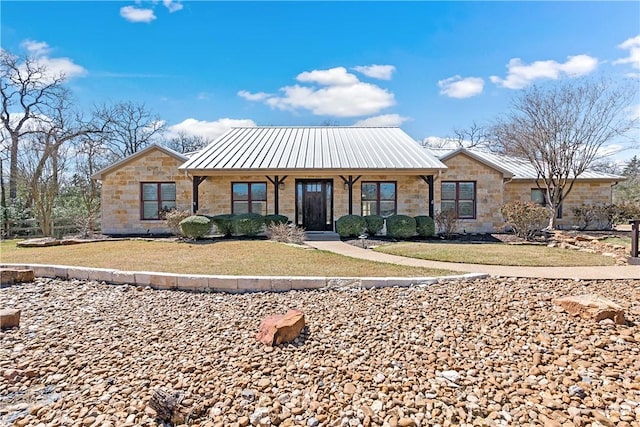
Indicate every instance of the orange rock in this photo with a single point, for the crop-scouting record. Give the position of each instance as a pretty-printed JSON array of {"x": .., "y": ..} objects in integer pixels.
[
  {"x": 592, "y": 307},
  {"x": 279, "y": 328}
]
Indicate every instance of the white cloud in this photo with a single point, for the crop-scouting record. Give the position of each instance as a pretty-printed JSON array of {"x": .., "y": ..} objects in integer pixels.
[
  {"x": 172, "y": 6},
  {"x": 36, "y": 48},
  {"x": 458, "y": 87},
  {"x": 633, "y": 46},
  {"x": 382, "y": 120},
  {"x": 382, "y": 72},
  {"x": 520, "y": 75},
  {"x": 206, "y": 129},
  {"x": 55, "y": 67},
  {"x": 134, "y": 14},
  {"x": 343, "y": 95}
]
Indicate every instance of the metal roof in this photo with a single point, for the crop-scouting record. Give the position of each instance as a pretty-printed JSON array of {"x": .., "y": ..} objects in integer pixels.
[
  {"x": 304, "y": 148},
  {"x": 510, "y": 166}
]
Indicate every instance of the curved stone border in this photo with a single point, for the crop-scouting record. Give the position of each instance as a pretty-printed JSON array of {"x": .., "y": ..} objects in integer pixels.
[{"x": 212, "y": 283}]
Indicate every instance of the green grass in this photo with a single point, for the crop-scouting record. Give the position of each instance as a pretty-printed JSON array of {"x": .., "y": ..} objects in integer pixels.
[
  {"x": 220, "y": 257},
  {"x": 496, "y": 254},
  {"x": 622, "y": 241}
]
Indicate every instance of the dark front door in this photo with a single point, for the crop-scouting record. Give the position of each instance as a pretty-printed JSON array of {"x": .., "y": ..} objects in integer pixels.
[{"x": 315, "y": 204}]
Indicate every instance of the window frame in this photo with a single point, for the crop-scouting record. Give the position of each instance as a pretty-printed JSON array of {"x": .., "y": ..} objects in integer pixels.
[
  {"x": 159, "y": 198},
  {"x": 378, "y": 197},
  {"x": 457, "y": 199},
  {"x": 250, "y": 199}
]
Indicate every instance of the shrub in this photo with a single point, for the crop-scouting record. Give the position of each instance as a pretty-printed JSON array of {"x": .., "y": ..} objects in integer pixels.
[
  {"x": 223, "y": 224},
  {"x": 247, "y": 224},
  {"x": 173, "y": 219},
  {"x": 605, "y": 217},
  {"x": 285, "y": 233},
  {"x": 447, "y": 221},
  {"x": 350, "y": 225},
  {"x": 526, "y": 218},
  {"x": 195, "y": 226},
  {"x": 401, "y": 226},
  {"x": 374, "y": 224},
  {"x": 275, "y": 219},
  {"x": 425, "y": 227}
]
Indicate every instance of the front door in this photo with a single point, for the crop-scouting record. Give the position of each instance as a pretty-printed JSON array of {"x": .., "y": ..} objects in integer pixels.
[{"x": 315, "y": 204}]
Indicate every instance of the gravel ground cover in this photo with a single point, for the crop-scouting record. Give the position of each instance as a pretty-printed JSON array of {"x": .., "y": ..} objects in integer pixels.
[{"x": 486, "y": 352}]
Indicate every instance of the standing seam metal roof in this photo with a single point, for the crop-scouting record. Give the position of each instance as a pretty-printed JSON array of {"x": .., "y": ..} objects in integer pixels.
[{"x": 333, "y": 147}]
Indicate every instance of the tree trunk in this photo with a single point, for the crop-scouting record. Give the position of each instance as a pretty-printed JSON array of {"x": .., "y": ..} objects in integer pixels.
[{"x": 13, "y": 168}]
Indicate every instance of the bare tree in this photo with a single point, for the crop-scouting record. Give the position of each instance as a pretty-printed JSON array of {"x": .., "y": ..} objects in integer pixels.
[
  {"x": 183, "y": 143},
  {"x": 560, "y": 128},
  {"x": 475, "y": 136}
]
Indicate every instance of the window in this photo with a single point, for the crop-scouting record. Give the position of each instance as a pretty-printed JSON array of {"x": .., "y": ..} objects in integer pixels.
[
  {"x": 379, "y": 198},
  {"x": 249, "y": 197},
  {"x": 539, "y": 196},
  {"x": 157, "y": 198},
  {"x": 459, "y": 196}
]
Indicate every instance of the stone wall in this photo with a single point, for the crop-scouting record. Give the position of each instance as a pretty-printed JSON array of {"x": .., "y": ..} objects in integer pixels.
[{"x": 121, "y": 193}]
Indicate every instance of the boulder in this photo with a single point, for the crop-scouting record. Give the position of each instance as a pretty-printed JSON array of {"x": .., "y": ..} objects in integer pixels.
[
  {"x": 281, "y": 328},
  {"x": 41, "y": 242},
  {"x": 9, "y": 276},
  {"x": 592, "y": 307},
  {"x": 9, "y": 318}
]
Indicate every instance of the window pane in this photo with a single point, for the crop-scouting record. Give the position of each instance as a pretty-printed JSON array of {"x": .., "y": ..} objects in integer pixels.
[
  {"x": 299, "y": 202},
  {"x": 369, "y": 208},
  {"x": 240, "y": 191},
  {"x": 448, "y": 190},
  {"x": 465, "y": 209},
  {"x": 259, "y": 191},
  {"x": 466, "y": 190},
  {"x": 149, "y": 192},
  {"x": 240, "y": 207},
  {"x": 369, "y": 191},
  {"x": 537, "y": 196},
  {"x": 168, "y": 205},
  {"x": 167, "y": 191},
  {"x": 329, "y": 206},
  {"x": 259, "y": 207},
  {"x": 149, "y": 210},
  {"x": 388, "y": 190},
  {"x": 387, "y": 208},
  {"x": 445, "y": 206}
]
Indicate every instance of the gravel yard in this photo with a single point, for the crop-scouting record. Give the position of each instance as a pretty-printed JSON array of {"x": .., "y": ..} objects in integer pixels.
[{"x": 487, "y": 352}]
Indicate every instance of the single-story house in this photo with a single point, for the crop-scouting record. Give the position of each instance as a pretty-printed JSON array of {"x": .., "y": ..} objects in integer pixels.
[{"x": 315, "y": 175}]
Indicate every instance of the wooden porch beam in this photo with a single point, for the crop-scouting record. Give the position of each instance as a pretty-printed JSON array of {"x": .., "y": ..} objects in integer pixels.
[
  {"x": 350, "y": 181},
  {"x": 276, "y": 181},
  {"x": 197, "y": 180},
  {"x": 429, "y": 180}
]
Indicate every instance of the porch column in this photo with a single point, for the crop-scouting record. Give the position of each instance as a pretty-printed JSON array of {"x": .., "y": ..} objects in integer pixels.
[
  {"x": 350, "y": 183},
  {"x": 429, "y": 180},
  {"x": 197, "y": 180},
  {"x": 276, "y": 181}
]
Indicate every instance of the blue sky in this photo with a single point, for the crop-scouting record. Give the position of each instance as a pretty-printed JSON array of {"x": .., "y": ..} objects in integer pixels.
[{"x": 428, "y": 67}]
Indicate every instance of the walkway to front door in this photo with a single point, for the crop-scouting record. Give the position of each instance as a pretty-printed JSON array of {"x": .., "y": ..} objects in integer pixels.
[{"x": 314, "y": 204}]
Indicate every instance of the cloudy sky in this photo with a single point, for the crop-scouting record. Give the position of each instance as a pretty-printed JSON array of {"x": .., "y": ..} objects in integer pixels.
[{"x": 428, "y": 67}]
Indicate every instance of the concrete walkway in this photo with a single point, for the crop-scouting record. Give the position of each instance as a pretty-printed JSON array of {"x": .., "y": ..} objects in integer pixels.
[{"x": 584, "y": 273}]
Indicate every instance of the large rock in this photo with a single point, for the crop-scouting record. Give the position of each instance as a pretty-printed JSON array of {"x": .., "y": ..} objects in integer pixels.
[
  {"x": 41, "y": 242},
  {"x": 279, "y": 328},
  {"x": 9, "y": 276},
  {"x": 9, "y": 318},
  {"x": 592, "y": 307}
]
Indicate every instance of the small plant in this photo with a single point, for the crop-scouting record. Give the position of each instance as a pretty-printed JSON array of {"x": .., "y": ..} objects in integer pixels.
[
  {"x": 374, "y": 224},
  {"x": 247, "y": 224},
  {"x": 223, "y": 224},
  {"x": 195, "y": 226},
  {"x": 275, "y": 219},
  {"x": 447, "y": 222},
  {"x": 401, "y": 226},
  {"x": 350, "y": 225},
  {"x": 425, "y": 227},
  {"x": 286, "y": 233},
  {"x": 526, "y": 218},
  {"x": 173, "y": 219},
  {"x": 605, "y": 217}
]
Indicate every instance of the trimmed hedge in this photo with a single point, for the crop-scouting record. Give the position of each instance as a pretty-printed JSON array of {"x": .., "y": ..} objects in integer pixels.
[
  {"x": 247, "y": 224},
  {"x": 350, "y": 225},
  {"x": 374, "y": 224},
  {"x": 275, "y": 219},
  {"x": 425, "y": 227},
  {"x": 223, "y": 224},
  {"x": 195, "y": 226},
  {"x": 401, "y": 226}
]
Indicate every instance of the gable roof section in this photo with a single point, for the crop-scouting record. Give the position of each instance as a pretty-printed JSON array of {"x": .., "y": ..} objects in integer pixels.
[
  {"x": 305, "y": 148},
  {"x": 514, "y": 167},
  {"x": 98, "y": 175}
]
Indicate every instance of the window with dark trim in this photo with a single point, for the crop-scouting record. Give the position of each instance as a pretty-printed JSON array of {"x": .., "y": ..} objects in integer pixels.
[
  {"x": 249, "y": 197},
  {"x": 379, "y": 198},
  {"x": 156, "y": 198},
  {"x": 539, "y": 196},
  {"x": 459, "y": 196}
]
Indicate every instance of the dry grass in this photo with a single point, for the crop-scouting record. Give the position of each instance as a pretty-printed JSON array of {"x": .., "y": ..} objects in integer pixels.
[
  {"x": 622, "y": 241},
  {"x": 496, "y": 254},
  {"x": 245, "y": 257}
]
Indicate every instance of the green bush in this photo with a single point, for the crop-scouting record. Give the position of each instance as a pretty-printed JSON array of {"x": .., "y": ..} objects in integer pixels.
[
  {"x": 275, "y": 219},
  {"x": 223, "y": 224},
  {"x": 605, "y": 217},
  {"x": 350, "y": 225},
  {"x": 247, "y": 224},
  {"x": 195, "y": 226},
  {"x": 401, "y": 226},
  {"x": 374, "y": 224},
  {"x": 526, "y": 218},
  {"x": 425, "y": 227}
]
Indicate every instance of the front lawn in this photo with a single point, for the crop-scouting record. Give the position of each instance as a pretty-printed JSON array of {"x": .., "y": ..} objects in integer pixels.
[
  {"x": 496, "y": 254},
  {"x": 221, "y": 257}
]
